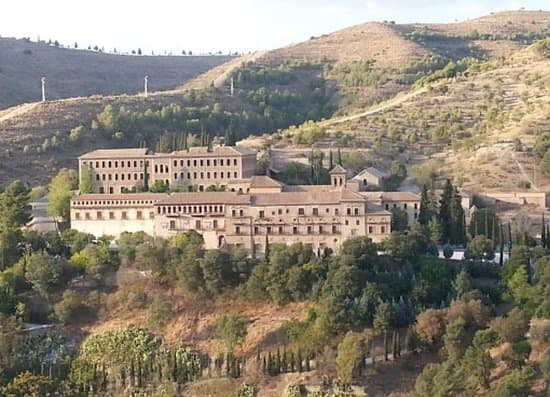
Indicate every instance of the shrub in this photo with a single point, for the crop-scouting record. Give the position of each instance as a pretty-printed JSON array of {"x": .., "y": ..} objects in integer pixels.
[
  {"x": 160, "y": 312},
  {"x": 69, "y": 307}
]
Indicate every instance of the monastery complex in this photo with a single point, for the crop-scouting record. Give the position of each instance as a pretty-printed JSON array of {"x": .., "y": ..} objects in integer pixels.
[{"x": 251, "y": 211}]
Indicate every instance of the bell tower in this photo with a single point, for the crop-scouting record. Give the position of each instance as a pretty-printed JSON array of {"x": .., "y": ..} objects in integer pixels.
[{"x": 338, "y": 177}]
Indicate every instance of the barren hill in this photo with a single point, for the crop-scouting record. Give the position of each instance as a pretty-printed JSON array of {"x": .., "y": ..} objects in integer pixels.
[
  {"x": 341, "y": 73},
  {"x": 478, "y": 128},
  {"x": 78, "y": 73}
]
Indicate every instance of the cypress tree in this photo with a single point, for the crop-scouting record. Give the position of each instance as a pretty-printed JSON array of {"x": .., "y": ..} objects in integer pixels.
[
  {"x": 445, "y": 211},
  {"x": 543, "y": 233},
  {"x": 501, "y": 251},
  {"x": 509, "y": 237},
  {"x": 330, "y": 160},
  {"x": 547, "y": 236},
  {"x": 339, "y": 157},
  {"x": 425, "y": 212},
  {"x": 299, "y": 360}
]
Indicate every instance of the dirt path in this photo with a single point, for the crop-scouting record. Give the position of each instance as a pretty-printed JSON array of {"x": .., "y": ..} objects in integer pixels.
[{"x": 398, "y": 100}]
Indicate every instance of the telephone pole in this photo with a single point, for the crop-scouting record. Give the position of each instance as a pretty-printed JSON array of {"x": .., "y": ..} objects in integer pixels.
[
  {"x": 43, "y": 89},
  {"x": 145, "y": 80}
]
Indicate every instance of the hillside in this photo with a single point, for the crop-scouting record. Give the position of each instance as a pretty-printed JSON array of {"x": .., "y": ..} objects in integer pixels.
[
  {"x": 343, "y": 73},
  {"x": 479, "y": 128},
  {"x": 79, "y": 73}
]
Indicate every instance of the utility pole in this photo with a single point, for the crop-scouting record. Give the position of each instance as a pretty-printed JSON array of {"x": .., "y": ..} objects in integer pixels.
[
  {"x": 145, "y": 80},
  {"x": 232, "y": 87},
  {"x": 43, "y": 89}
]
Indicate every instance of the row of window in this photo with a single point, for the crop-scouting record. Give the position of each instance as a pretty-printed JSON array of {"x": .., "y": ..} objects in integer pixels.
[
  {"x": 404, "y": 206},
  {"x": 198, "y": 225},
  {"x": 116, "y": 163},
  {"x": 209, "y": 175},
  {"x": 309, "y": 230},
  {"x": 208, "y": 162},
  {"x": 140, "y": 176},
  {"x": 111, "y": 215},
  {"x": 160, "y": 167},
  {"x": 314, "y": 212},
  {"x": 115, "y": 202},
  {"x": 190, "y": 209}
]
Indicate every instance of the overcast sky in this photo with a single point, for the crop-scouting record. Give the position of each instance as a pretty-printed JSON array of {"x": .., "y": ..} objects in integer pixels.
[{"x": 227, "y": 25}]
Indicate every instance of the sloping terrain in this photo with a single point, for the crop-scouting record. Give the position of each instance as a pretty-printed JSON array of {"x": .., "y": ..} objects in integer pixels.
[
  {"x": 376, "y": 78},
  {"x": 79, "y": 73},
  {"x": 478, "y": 128}
]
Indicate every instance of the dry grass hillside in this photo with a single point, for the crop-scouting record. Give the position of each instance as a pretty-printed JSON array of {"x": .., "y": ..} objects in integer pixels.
[
  {"x": 364, "y": 64},
  {"x": 78, "y": 73},
  {"x": 478, "y": 128}
]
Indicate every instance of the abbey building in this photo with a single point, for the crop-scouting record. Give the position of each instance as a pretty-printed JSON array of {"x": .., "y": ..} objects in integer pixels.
[{"x": 251, "y": 211}]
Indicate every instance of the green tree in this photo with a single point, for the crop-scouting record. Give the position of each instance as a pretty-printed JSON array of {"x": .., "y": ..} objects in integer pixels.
[
  {"x": 160, "y": 312},
  {"x": 427, "y": 207},
  {"x": 43, "y": 272},
  {"x": 69, "y": 307},
  {"x": 87, "y": 184},
  {"x": 159, "y": 187},
  {"x": 231, "y": 329},
  {"x": 26, "y": 384},
  {"x": 455, "y": 339},
  {"x": 462, "y": 284},
  {"x": 399, "y": 220},
  {"x": 14, "y": 205},
  {"x": 481, "y": 248},
  {"x": 60, "y": 193},
  {"x": 351, "y": 352}
]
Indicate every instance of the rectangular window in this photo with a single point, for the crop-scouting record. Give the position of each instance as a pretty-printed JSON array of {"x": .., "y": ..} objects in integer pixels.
[
  {"x": 382, "y": 229},
  {"x": 237, "y": 230},
  {"x": 334, "y": 230},
  {"x": 294, "y": 230},
  {"x": 202, "y": 163},
  {"x": 215, "y": 223},
  {"x": 280, "y": 211},
  {"x": 139, "y": 215},
  {"x": 97, "y": 177},
  {"x": 175, "y": 163},
  {"x": 405, "y": 206},
  {"x": 87, "y": 216},
  {"x": 301, "y": 211},
  {"x": 116, "y": 164},
  {"x": 123, "y": 215},
  {"x": 198, "y": 224},
  {"x": 261, "y": 214},
  {"x": 309, "y": 230},
  {"x": 315, "y": 211},
  {"x": 208, "y": 163},
  {"x": 241, "y": 213},
  {"x": 234, "y": 161},
  {"x": 99, "y": 215},
  {"x": 172, "y": 225},
  {"x": 320, "y": 229},
  {"x": 111, "y": 215},
  {"x": 281, "y": 230},
  {"x": 77, "y": 215},
  {"x": 256, "y": 230},
  {"x": 269, "y": 230},
  {"x": 109, "y": 163},
  {"x": 356, "y": 211},
  {"x": 415, "y": 206},
  {"x": 348, "y": 211}
]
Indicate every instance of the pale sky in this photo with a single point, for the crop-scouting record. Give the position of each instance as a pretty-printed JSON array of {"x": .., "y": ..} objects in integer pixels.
[{"x": 227, "y": 25}]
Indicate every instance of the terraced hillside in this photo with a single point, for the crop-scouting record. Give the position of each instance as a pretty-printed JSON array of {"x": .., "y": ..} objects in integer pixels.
[
  {"x": 79, "y": 73},
  {"x": 479, "y": 127},
  {"x": 341, "y": 73}
]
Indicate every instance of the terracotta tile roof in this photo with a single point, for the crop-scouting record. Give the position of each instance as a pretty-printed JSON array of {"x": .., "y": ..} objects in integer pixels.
[
  {"x": 373, "y": 171},
  {"x": 114, "y": 154},
  {"x": 391, "y": 196},
  {"x": 263, "y": 181},
  {"x": 338, "y": 170},
  {"x": 205, "y": 198},
  {"x": 307, "y": 197},
  {"x": 125, "y": 196}
]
